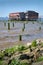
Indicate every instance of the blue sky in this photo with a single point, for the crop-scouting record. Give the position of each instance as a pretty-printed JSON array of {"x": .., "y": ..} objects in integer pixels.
[{"x": 8, "y": 6}]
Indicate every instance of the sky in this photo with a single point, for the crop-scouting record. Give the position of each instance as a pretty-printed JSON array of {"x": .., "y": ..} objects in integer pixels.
[{"x": 11, "y": 6}]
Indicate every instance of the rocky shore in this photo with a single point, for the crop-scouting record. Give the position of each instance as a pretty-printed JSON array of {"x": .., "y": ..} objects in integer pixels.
[{"x": 22, "y": 54}]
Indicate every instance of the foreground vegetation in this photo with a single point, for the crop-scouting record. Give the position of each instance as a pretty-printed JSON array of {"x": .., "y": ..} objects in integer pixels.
[{"x": 22, "y": 54}]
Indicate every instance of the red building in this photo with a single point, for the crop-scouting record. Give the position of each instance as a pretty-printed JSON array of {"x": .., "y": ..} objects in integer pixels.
[
  {"x": 29, "y": 15},
  {"x": 17, "y": 16}
]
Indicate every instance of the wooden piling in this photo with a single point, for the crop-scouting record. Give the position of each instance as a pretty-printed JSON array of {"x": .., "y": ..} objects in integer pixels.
[
  {"x": 20, "y": 37},
  {"x": 8, "y": 26}
]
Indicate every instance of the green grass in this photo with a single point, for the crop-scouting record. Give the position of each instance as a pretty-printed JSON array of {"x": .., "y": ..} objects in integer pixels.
[
  {"x": 1, "y": 62},
  {"x": 1, "y": 54},
  {"x": 15, "y": 62},
  {"x": 21, "y": 48},
  {"x": 14, "y": 49},
  {"x": 18, "y": 62},
  {"x": 34, "y": 43},
  {"x": 40, "y": 59},
  {"x": 10, "y": 50}
]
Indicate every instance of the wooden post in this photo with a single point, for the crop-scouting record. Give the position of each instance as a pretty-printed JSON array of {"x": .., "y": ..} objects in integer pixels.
[
  {"x": 4, "y": 23},
  {"x": 8, "y": 26},
  {"x": 20, "y": 37},
  {"x": 39, "y": 28},
  {"x": 23, "y": 27},
  {"x": 13, "y": 24}
]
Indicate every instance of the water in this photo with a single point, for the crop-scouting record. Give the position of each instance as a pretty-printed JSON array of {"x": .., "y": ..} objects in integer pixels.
[{"x": 30, "y": 33}]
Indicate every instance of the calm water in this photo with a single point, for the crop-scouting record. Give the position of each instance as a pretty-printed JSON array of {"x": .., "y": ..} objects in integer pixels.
[{"x": 30, "y": 33}]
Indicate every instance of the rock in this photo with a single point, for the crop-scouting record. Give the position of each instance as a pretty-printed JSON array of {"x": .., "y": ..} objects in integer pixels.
[
  {"x": 37, "y": 50},
  {"x": 9, "y": 62},
  {"x": 31, "y": 56},
  {"x": 24, "y": 56},
  {"x": 31, "y": 50},
  {"x": 5, "y": 58},
  {"x": 25, "y": 62},
  {"x": 38, "y": 63}
]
